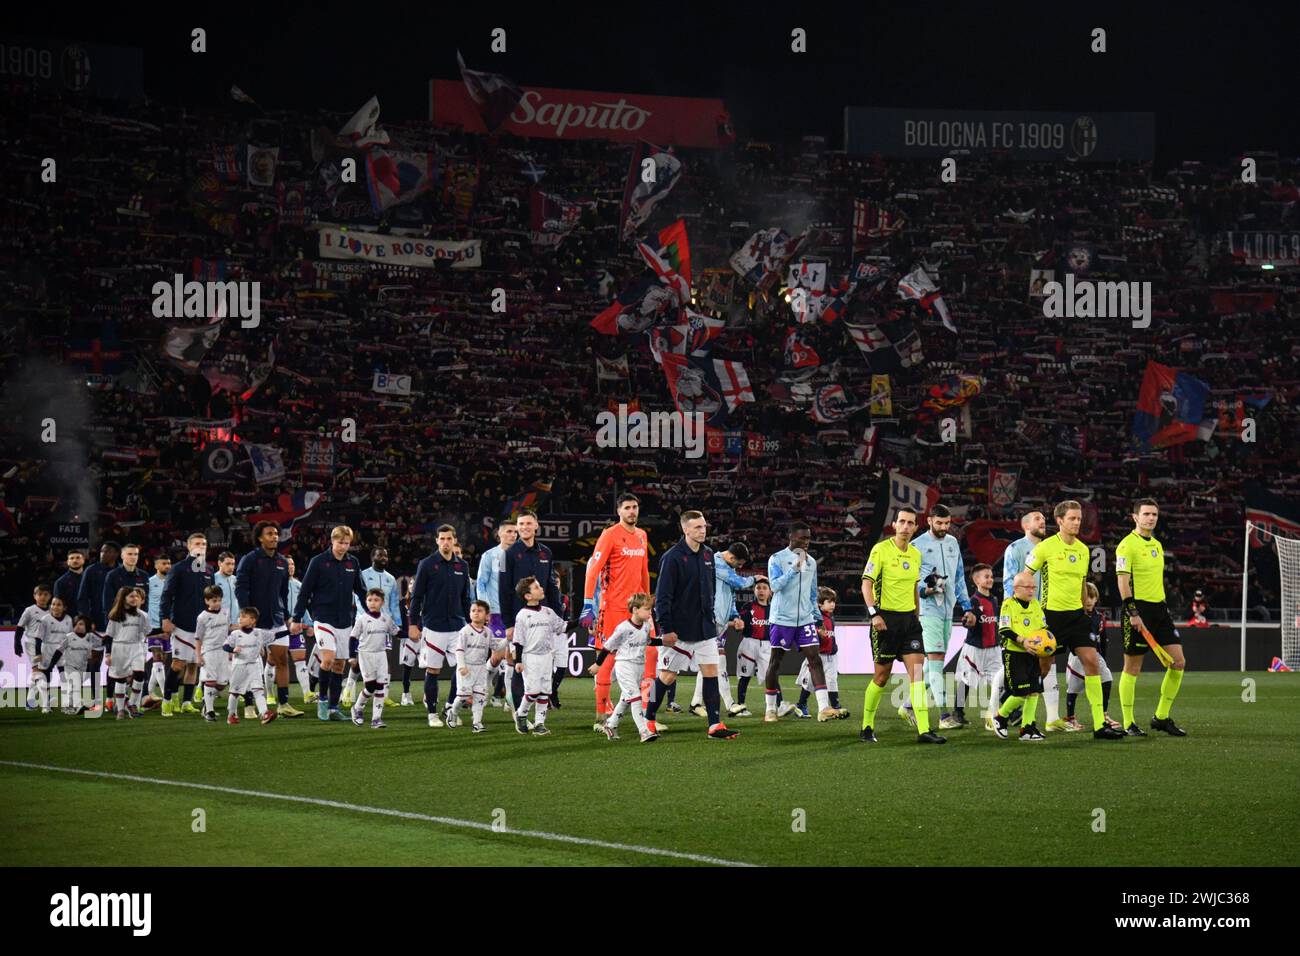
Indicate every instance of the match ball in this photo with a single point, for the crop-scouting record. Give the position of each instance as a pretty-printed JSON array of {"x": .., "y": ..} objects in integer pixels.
[{"x": 1041, "y": 643}]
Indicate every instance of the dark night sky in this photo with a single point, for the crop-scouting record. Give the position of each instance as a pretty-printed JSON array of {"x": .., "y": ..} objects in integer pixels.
[{"x": 1221, "y": 77}]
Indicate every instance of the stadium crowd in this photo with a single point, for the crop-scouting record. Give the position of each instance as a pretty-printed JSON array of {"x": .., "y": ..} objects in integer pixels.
[{"x": 504, "y": 405}]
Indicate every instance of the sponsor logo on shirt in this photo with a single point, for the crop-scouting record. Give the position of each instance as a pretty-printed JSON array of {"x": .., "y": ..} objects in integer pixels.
[{"x": 632, "y": 552}]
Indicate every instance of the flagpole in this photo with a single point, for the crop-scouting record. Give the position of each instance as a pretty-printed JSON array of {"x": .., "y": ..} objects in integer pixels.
[{"x": 1245, "y": 569}]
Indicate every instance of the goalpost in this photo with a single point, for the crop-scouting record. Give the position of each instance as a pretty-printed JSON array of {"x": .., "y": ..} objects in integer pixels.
[{"x": 1288, "y": 556}]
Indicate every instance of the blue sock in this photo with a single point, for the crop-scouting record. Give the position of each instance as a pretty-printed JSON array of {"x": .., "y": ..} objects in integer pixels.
[
  {"x": 336, "y": 690},
  {"x": 431, "y": 691}
]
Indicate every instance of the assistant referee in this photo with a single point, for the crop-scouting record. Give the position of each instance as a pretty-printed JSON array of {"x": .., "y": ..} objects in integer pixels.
[{"x": 889, "y": 590}]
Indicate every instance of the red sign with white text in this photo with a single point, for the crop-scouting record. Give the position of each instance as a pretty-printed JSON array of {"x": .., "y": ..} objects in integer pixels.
[{"x": 583, "y": 114}]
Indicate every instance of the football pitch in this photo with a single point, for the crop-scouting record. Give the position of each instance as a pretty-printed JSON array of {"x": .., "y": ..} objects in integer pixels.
[{"x": 798, "y": 793}]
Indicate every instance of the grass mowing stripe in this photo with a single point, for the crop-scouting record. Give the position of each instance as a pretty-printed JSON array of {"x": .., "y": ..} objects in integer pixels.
[{"x": 383, "y": 811}]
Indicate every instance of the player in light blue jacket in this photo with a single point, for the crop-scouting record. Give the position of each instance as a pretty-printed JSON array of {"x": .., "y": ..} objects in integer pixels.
[
  {"x": 725, "y": 615},
  {"x": 941, "y": 586}
]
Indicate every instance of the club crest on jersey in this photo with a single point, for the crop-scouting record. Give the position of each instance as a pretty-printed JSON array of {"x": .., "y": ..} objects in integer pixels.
[
  {"x": 906, "y": 566},
  {"x": 1153, "y": 553},
  {"x": 1073, "y": 558},
  {"x": 1025, "y": 622}
]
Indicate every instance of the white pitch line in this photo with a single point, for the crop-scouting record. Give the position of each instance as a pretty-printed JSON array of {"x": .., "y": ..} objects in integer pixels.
[{"x": 384, "y": 812}]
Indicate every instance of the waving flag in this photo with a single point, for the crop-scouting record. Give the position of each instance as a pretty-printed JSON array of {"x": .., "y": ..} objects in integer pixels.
[
  {"x": 675, "y": 249},
  {"x": 831, "y": 404},
  {"x": 395, "y": 177},
  {"x": 762, "y": 259},
  {"x": 528, "y": 500},
  {"x": 690, "y": 336},
  {"x": 871, "y": 220},
  {"x": 362, "y": 130},
  {"x": 669, "y": 276},
  {"x": 552, "y": 217},
  {"x": 712, "y": 387},
  {"x": 798, "y": 353},
  {"x": 641, "y": 197},
  {"x": 1170, "y": 407},
  {"x": 920, "y": 287},
  {"x": 496, "y": 95},
  {"x": 951, "y": 392},
  {"x": 645, "y": 303},
  {"x": 863, "y": 280},
  {"x": 289, "y": 510}
]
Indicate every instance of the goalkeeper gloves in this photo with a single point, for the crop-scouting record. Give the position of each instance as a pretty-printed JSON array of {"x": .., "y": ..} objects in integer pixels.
[{"x": 588, "y": 616}]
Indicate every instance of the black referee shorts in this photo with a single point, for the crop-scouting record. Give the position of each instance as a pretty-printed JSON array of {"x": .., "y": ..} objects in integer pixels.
[
  {"x": 1155, "y": 615},
  {"x": 1023, "y": 675},
  {"x": 1072, "y": 630},
  {"x": 901, "y": 636}
]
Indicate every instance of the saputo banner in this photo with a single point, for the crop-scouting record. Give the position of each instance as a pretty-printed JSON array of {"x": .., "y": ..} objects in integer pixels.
[
  {"x": 583, "y": 114},
  {"x": 1091, "y": 137}
]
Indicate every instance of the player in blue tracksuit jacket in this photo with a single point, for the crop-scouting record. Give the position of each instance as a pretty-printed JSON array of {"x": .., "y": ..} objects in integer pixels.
[
  {"x": 182, "y": 602},
  {"x": 332, "y": 580}
]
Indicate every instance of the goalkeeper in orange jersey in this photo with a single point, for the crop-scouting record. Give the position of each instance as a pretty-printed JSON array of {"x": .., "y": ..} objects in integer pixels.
[{"x": 620, "y": 566}]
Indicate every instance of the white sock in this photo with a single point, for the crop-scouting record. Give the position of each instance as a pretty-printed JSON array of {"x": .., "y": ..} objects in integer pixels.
[
  {"x": 995, "y": 691},
  {"x": 304, "y": 679},
  {"x": 350, "y": 684},
  {"x": 478, "y": 709},
  {"x": 137, "y": 688},
  {"x": 259, "y": 698},
  {"x": 458, "y": 704},
  {"x": 1052, "y": 695},
  {"x": 155, "y": 679},
  {"x": 724, "y": 691},
  {"x": 823, "y": 698},
  {"x": 934, "y": 680},
  {"x": 638, "y": 715},
  {"x": 233, "y": 707},
  {"x": 613, "y": 719},
  {"x": 42, "y": 690},
  {"x": 770, "y": 703},
  {"x": 697, "y": 698},
  {"x": 209, "y": 698},
  {"x": 377, "y": 708},
  {"x": 541, "y": 712},
  {"x": 268, "y": 675}
]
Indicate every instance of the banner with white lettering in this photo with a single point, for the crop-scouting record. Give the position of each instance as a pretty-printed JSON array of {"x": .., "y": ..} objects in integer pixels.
[
  {"x": 1092, "y": 137},
  {"x": 386, "y": 383},
  {"x": 583, "y": 114},
  {"x": 399, "y": 250}
]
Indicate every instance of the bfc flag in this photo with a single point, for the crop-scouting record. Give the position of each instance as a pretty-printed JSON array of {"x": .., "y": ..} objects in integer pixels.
[
  {"x": 496, "y": 96},
  {"x": 1170, "y": 407},
  {"x": 711, "y": 387},
  {"x": 647, "y": 186},
  {"x": 397, "y": 177}
]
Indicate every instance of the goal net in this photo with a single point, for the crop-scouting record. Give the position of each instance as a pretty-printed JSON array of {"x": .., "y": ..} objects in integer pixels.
[{"x": 1287, "y": 590}]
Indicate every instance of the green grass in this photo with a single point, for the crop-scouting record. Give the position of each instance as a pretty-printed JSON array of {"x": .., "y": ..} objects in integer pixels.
[{"x": 1227, "y": 794}]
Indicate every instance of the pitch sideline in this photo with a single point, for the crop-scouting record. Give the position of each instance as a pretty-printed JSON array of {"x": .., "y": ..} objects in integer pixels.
[{"x": 382, "y": 811}]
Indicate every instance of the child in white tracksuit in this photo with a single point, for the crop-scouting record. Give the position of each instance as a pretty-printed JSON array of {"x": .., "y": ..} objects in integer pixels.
[
  {"x": 246, "y": 645},
  {"x": 477, "y": 652},
  {"x": 373, "y": 633},
  {"x": 628, "y": 644},
  {"x": 537, "y": 629}
]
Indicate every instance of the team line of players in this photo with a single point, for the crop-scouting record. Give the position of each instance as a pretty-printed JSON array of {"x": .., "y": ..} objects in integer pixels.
[{"x": 905, "y": 586}]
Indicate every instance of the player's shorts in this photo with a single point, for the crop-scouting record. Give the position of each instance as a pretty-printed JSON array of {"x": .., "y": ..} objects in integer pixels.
[
  {"x": 687, "y": 655},
  {"x": 1155, "y": 615},
  {"x": 976, "y": 664},
  {"x": 435, "y": 648},
  {"x": 628, "y": 674},
  {"x": 473, "y": 684},
  {"x": 537, "y": 675},
  {"x": 281, "y": 636},
  {"x": 830, "y": 668},
  {"x": 29, "y": 648},
  {"x": 1072, "y": 629},
  {"x": 183, "y": 646},
  {"x": 216, "y": 667},
  {"x": 298, "y": 642},
  {"x": 936, "y": 631},
  {"x": 1075, "y": 675},
  {"x": 747, "y": 655},
  {"x": 160, "y": 642},
  {"x": 901, "y": 636},
  {"x": 496, "y": 627},
  {"x": 787, "y": 638},
  {"x": 332, "y": 639},
  {"x": 128, "y": 659},
  {"x": 374, "y": 665},
  {"x": 560, "y": 655},
  {"x": 1024, "y": 675},
  {"x": 245, "y": 676},
  {"x": 409, "y": 653}
]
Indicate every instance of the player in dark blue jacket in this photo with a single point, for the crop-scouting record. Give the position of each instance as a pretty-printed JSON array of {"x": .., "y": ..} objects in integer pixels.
[
  {"x": 180, "y": 607},
  {"x": 440, "y": 599},
  {"x": 262, "y": 581},
  {"x": 333, "y": 578}
]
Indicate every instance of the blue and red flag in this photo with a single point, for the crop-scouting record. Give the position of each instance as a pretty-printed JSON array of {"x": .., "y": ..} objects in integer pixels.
[
  {"x": 288, "y": 510},
  {"x": 1170, "y": 407}
]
